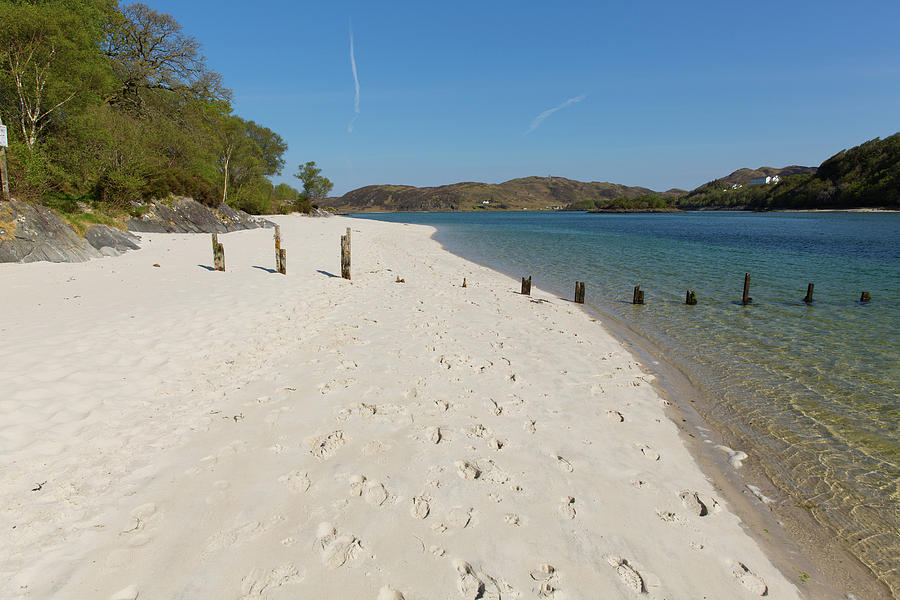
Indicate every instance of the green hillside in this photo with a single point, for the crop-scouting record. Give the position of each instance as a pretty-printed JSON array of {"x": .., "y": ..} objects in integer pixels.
[{"x": 866, "y": 176}]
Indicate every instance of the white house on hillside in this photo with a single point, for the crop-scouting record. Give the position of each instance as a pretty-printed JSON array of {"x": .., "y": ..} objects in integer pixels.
[{"x": 767, "y": 179}]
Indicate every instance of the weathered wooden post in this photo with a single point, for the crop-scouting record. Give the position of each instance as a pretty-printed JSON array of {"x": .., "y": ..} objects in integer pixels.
[
  {"x": 745, "y": 298},
  {"x": 280, "y": 253},
  {"x": 809, "y": 294},
  {"x": 865, "y": 297},
  {"x": 218, "y": 253},
  {"x": 345, "y": 255},
  {"x": 464, "y": 282},
  {"x": 690, "y": 298},
  {"x": 526, "y": 286},
  {"x": 638, "y": 297},
  {"x": 579, "y": 292}
]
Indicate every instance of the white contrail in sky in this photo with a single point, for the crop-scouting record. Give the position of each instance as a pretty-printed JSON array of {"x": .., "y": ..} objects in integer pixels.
[
  {"x": 540, "y": 118},
  {"x": 355, "y": 84}
]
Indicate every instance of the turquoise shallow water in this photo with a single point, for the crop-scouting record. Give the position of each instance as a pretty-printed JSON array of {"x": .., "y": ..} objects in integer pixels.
[{"x": 812, "y": 392}]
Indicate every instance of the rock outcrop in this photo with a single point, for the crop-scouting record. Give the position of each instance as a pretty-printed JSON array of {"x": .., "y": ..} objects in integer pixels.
[
  {"x": 31, "y": 233},
  {"x": 185, "y": 215},
  {"x": 111, "y": 241}
]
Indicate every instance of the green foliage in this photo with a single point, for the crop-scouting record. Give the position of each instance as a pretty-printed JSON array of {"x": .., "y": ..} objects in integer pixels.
[
  {"x": 128, "y": 111},
  {"x": 865, "y": 176},
  {"x": 315, "y": 186}
]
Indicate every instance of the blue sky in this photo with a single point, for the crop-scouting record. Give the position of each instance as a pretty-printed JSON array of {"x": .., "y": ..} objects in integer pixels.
[{"x": 660, "y": 94}]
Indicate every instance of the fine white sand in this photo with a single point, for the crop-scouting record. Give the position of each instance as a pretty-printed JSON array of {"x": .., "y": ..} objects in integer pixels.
[{"x": 172, "y": 432}]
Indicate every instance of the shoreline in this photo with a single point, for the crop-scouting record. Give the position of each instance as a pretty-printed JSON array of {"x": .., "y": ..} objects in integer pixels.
[
  {"x": 231, "y": 410},
  {"x": 785, "y": 530}
]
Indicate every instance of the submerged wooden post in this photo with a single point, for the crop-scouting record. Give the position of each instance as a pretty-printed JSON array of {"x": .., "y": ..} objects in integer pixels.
[
  {"x": 638, "y": 297},
  {"x": 218, "y": 253},
  {"x": 745, "y": 298},
  {"x": 526, "y": 286},
  {"x": 280, "y": 253},
  {"x": 345, "y": 255},
  {"x": 809, "y": 293},
  {"x": 690, "y": 298},
  {"x": 579, "y": 292},
  {"x": 865, "y": 297}
]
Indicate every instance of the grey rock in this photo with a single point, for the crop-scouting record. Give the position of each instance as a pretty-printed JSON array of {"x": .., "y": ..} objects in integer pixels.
[
  {"x": 103, "y": 236},
  {"x": 108, "y": 251},
  {"x": 185, "y": 215},
  {"x": 31, "y": 233}
]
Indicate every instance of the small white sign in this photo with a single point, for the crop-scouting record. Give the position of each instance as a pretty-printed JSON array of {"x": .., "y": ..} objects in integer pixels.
[{"x": 3, "y": 142}]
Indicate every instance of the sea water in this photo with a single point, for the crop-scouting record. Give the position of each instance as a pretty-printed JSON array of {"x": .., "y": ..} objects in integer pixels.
[{"x": 812, "y": 391}]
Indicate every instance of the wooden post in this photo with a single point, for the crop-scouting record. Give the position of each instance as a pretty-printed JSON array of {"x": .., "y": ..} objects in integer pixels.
[
  {"x": 745, "y": 298},
  {"x": 4, "y": 173},
  {"x": 218, "y": 253},
  {"x": 690, "y": 298},
  {"x": 638, "y": 297},
  {"x": 809, "y": 293},
  {"x": 526, "y": 286},
  {"x": 579, "y": 292},
  {"x": 280, "y": 253},
  {"x": 464, "y": 282},
  {"x": 865, "y": 297},
  {"x": 345, "y": 255}
]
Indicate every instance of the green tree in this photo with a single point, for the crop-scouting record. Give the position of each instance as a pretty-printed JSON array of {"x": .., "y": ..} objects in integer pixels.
[
  {"x": 48, "y": 57},
  {"x": 315, "y": 186},
  {"x": 152, "y": 53}
]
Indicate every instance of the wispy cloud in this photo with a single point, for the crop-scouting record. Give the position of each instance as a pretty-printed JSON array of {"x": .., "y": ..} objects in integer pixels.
[
  {"x": 355, "y": 83},
  {"x": 540, "y": 118}
]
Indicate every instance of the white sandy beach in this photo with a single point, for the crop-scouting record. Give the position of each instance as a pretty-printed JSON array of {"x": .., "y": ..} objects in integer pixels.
[{"x": 174, "y": 432}]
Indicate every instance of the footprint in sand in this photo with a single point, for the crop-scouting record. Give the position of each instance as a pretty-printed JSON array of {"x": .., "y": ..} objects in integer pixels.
[
  {"x": 468, "y": 583},
  {"x": 336, "y": 549},
  {"x": 420, "y": 507},
  {"x": 389, "y": 593},
  {"x": 433, "y": 435},
  {"x": 563, "y": 463},
  {"x": 356, "y": 484},
  {"x": 567, "y": 508},
  {"x": 648, "y": 452},
  {"x": 459, "y": 517},
  {"x": 139, "y": 517},
  {"x": 697, "y": 505},
  {"x": 260, "y": 583},
  {"x": 374, "y": 493},
  {"x": 546, "y": 577},
  {"x": 530, "y": 426},
  {"x": 629, "y": 576},
  {"x": 750, "y": 580},
  {"x": 467, "y": 470},
  {"x": 614, "y": 415},
  {"x": 296, "y": 481},
  {"x": 324, "y": 446},
  {"x": 511, "y": 519},
  {"x": 669, "y": 517},
  {"x": 495, "y": 444}
]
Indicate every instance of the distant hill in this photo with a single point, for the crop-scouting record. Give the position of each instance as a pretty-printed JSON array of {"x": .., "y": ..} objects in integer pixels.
[
  {"x": 531, "y": 193},
  {"x": 865, "y": 176}
]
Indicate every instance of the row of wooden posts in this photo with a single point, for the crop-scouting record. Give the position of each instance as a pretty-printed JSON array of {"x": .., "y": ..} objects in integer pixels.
[
  {"x": 281, "y": 254},
  {"x": 690, "y": 298}
]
